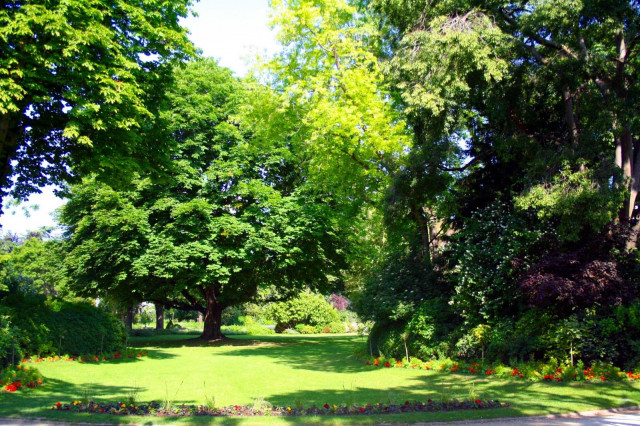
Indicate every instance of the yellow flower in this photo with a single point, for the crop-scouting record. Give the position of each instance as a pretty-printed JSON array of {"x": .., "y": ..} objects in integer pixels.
[
  {"x": 335, "y": 407},
  {"x": 289, "y": 408},
  {"x": 124, "y": 405}
]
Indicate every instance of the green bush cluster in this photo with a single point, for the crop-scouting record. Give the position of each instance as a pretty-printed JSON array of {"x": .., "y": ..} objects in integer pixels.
[
  {"x": 34, "y": 325},
  {"x": 610, "y": 336},
  {"x": 252, "y": 330},
  {"x": 481, "y": 309},
  {"x": 306, "y": 309}
]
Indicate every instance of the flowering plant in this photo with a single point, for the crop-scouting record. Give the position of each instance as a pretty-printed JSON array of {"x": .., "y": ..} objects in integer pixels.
[
  {"x": 17, "y": 378},
  {"x": 155, "y": 409},
  {"x": 550, "y": 372}
]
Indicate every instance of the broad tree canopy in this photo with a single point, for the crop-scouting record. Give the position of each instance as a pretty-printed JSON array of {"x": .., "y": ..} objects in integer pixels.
[
  {"x": 79, "y": 80},
  {"x": 234, "y": 217}
]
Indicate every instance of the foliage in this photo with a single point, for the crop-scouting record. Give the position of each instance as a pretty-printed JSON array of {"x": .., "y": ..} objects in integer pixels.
[
  {"x": 598, "y": 272},
  {"x": 264, "y": 227},
  {"x": 33, "y": 266},
  {"x": 339, "y": 302},
  {"x": 7, "y": 339},
  {"x": 334, "y": 327},
  {"x": 251, "y": 330},
  {"x": 575, "y": 200},
  {"x": 306, "y": 308},
  {"x": 80, "y": 83},
  {"x": 44, "y": 327},
  {"x": 430, "y": 332},
  {"x": 307, "y": 329},
  {"x": 395, "y": 289},
  {"x": 14, "y": 378},
  {"x": 493, "y": 247},
  {"x": 328, "y": 71}
]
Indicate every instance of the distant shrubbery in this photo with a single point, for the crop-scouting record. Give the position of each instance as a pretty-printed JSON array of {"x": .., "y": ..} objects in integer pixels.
[{"x": 310, "y": 313}]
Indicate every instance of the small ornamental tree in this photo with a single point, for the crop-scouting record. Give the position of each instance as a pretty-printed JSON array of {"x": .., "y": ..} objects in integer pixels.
[
  {"x": 339, "y": 302},
  {"x": 233, "y": 218}
]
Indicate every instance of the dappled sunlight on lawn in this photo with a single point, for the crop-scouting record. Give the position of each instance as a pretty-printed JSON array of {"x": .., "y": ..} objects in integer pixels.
[{"x": 291, "y": 370}]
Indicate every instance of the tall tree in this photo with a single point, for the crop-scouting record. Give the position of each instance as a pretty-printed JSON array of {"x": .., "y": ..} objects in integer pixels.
[
  {"x": 33, "y": 266},
  {"x": 79, "y": 80},
  {"x": 233, "y": 218},
  {"x": 529, "y": 86},
  {"x": 328, "y": 71}
]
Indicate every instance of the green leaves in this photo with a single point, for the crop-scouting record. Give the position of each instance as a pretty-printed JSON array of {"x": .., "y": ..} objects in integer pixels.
[
  {"x": 576, "y": 200},
  {"x": 330, "y": 77},
  {"x": 232, "y": 217},
  {"x": 80, "y": 79}
]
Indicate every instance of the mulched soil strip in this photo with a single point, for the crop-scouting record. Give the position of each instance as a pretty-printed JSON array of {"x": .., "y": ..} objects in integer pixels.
[{"x": 155, "y": 409}]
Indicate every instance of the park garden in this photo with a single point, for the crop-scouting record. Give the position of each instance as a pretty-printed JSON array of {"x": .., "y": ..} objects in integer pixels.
[{"x": 414, "y": 211}]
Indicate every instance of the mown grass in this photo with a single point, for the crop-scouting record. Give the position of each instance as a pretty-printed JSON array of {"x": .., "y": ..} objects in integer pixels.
[{"x": 286, "y": 370}]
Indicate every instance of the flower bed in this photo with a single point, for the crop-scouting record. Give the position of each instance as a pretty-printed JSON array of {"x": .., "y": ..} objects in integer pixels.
[
  {"x": 550, "y": 372},
  {"x": 88, "y": 358},
  {"x": 18, "y": 378},
  {"x": 265, "y": 409}
]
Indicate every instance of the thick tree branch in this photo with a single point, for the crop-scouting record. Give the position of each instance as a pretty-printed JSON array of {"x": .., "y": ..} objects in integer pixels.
[{"x": 189, "y": 298}]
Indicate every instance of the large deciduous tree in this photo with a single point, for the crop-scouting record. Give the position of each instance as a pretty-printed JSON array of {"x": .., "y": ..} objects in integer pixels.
[
  {"x": 532, "y": 87},
  {"x": 79, "y": 80},
  {"x": 234, "y": 217}
]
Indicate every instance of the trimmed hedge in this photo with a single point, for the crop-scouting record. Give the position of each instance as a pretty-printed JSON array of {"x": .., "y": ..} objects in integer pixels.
[{"x": 51, "y": 327}]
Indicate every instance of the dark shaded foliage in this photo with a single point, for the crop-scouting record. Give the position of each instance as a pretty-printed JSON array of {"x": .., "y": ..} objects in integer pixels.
[{"x": 589, "y": 275}]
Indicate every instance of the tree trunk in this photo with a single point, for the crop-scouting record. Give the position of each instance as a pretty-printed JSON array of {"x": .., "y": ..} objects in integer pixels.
[
  {"x": 159, "y": 316},
  {"x": 212, "y": 317},
  {"x": 127, "y": 318}
]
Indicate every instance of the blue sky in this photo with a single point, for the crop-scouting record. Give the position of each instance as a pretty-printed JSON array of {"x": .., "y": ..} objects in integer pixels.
[{"x": 232, "y": 31}]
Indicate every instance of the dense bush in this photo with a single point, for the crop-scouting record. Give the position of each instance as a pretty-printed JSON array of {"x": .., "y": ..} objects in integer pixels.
[
  {"x": 430, "y": 332},
  {"x": 334, "y": 327},
  {"x": 491, "y": 250},
  {"x": 306, "y": 308},
  {"x": 307, "y": 329},
  {"x": 6, "y": 338},
  {"x": 42, "y": 327}
]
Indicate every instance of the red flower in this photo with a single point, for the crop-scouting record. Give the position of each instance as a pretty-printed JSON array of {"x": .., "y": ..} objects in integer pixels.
[
  {"x": 361, "y": 409},
  {"x": 236, "y": 407},
  {"x": 478, "y": 401},
  {"x": 326, "y": 406},
  {"x": 386, "y": 364},
  {"x": 407, "y": 403},
  {"x": 101, "y": 410},
  {"x": 58, "y": 405},
  {"x": 429, "y": 401}
]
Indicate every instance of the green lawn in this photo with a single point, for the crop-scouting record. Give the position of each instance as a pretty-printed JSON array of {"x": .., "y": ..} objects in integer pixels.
[{"x": 283, "y": 370}]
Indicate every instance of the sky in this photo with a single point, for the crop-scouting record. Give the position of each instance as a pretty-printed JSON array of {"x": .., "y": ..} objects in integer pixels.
[{"x": 231, "y": 31}]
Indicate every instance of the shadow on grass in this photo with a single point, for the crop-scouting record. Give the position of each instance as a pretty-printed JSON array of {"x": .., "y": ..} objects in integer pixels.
[
  {"x": 524, "y": 398},
  {"x": 308, "y": 352},
  {"x": 38, "y": 403}
]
